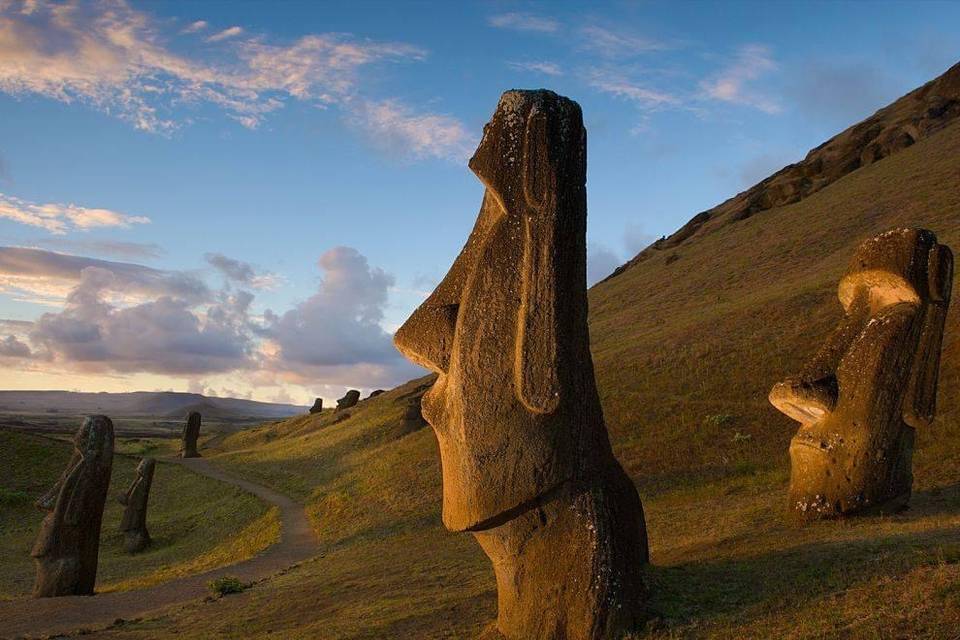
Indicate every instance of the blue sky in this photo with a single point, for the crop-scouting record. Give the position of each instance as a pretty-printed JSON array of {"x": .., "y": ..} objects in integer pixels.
[{"x": 251, "y": 196}]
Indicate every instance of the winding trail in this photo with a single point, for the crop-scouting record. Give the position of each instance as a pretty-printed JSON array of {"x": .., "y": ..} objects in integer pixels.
[{"x": 42, "y": 617}]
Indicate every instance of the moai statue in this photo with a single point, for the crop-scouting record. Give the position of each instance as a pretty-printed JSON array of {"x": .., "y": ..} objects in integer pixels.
[
  {"x": 526, "y": 461},
  {"x": 412, "y": 419},
  {"x": 191, "y": 431},
  {"x": 317, "y": 406},
  {"x": 67, "y": 546},
  {"x": 349, "y": 400},
  {"x": 134, "y": 523},
  {"x": 861, "y": 397}
]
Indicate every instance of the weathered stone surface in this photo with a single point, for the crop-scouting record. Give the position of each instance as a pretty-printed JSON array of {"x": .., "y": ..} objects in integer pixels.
[
  {"x": 66, "y": 549},
  {"x": 191, "y": 432},
  {"x": 527, "y": 465},
  {"x": 861, "y": 397},
  {"x": 317, "y": 406},
  {"x": 134, "y": 522},
  {"x": 349, "y": 400}
]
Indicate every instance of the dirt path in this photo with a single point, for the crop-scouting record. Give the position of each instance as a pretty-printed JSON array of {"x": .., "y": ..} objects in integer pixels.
[{"x": 33, "y": 618}]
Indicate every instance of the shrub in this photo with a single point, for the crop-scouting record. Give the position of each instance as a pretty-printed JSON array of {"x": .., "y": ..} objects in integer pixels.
[{"x": 225, "y": 585}]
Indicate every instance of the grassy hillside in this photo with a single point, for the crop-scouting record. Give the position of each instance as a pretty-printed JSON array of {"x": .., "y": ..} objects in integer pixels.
[
  {"x": 196, "y": 523},
  {"x": 687, "y": 343}
]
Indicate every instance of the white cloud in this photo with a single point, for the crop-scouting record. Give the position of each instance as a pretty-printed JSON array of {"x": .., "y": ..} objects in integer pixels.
[
  {"x": 613, "y": 83},
  {"x": 231, "y": 32},
  {"x": 393, "y": 126},
  {"x": 547, "y": 68},
  {"x": 59, "y": 218},
  {"x": 115, "y": 59},
  {"x": 601, "y": 261},
  {"x": 194, "y": 27},
  {"x": 617, "y": 43},
  {"x": 732, "y": 83},
  {"x": 519, "y": 21}
]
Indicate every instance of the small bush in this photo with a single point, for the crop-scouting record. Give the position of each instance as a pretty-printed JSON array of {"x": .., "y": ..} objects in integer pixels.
[
  {"x": 226, "y": 585},
  {"x": 719, "y": 420}
]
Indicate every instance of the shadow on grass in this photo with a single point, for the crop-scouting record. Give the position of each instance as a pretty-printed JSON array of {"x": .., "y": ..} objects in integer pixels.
[{"x": 742, "y": 587}]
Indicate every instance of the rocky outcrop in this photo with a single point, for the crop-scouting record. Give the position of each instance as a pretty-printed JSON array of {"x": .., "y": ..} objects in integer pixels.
[
  {"x": 873, "y": 383},
  {"x": 915, "y": 116},
  {"x": 68, "y": 545},
  {"x": 527, "y": 464}
]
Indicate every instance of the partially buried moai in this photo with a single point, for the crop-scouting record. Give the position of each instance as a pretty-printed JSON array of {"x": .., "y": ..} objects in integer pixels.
[
  {"x": 350, "y": 399},
  {"x": 66, "y": 549},
  {"x": 134, "y": 522},
  {"x": 861, "y": 397},
  {"x": 526, "y": 461},
  {"x": 191, "y": 432}
]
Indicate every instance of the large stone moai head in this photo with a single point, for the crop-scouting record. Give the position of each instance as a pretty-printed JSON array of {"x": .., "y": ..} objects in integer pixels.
[
  {"x": 191, "y": 432},
  {"x": 859, "y": 400},
  {"x": 66, "y": 549},
  {"x": 515, "y": 407},
  {"x": 134, "y": 522},
  {"x": 351, "y": 398},
  {"x": 317, "y": 406}
]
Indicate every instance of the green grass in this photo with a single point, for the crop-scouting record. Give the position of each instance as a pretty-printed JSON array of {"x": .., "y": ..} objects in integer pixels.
[{"x": 187, "y": 519}]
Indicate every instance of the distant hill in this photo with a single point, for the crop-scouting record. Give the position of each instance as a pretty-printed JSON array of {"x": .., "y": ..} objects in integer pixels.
[{"x": 157, "y": 404}]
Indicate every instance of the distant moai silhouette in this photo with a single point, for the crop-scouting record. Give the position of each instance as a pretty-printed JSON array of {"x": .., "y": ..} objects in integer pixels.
[
  {"x": 349, "y": 400},
  {"x": 67, "y": 547},
  {"x": 317, "y": 406},
  {"x": 873, "y": 383},
  {"x": 526, "y": 460},
  {"x": 191, "y": 432},
  {"x": 134, "y": 523}
]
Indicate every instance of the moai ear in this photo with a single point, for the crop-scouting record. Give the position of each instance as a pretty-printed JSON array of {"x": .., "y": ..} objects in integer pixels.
[
  {"x": 535, "y": 366},
  {"x": 921, "y": 402}
]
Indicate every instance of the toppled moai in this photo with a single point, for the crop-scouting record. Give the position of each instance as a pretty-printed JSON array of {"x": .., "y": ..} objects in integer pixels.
[
  {"x": 349, "y": 400},
  {"x": 134, "y": 522},
  {"x": 67, "y": 547},
  {"x": 860, "y": 399},
  {"x": 526, "y": 461},
  {"x": 317, "y": 406},
  {"x": 191, "y": 432},
  {"x": 374, "y": 393}
]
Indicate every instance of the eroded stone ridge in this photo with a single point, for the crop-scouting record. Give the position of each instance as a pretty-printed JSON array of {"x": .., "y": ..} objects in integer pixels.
[
  {"x": 873, "y": 383},
  {"x": 191, "y": 432},
  {"x": 527, "y": 464},
  {"x": 66, "y": 549},
  {"x": 134, "y": 522}
]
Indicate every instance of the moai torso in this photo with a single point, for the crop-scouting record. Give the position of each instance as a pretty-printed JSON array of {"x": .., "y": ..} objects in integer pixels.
[
  {"x": 134, "y": 522},
  {"x": 861, "y": 397},
  {"x": 66, "y": 549},
  {"x": 191, "y": 432},
  {"x": 527, "y": 466}
]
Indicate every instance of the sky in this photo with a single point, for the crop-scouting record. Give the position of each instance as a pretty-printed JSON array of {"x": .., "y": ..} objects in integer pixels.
[{"x": 246, "y": 198}]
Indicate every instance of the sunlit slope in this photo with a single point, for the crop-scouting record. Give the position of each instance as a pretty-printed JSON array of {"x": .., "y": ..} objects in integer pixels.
[{"x": 688, "y": 343}]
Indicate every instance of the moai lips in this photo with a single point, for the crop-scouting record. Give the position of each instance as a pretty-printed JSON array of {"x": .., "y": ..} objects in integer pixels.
[
  {"x": 527, "y": 465},
  {"x": 861, "y": 397},
  {"x": 67, "y": 547}
]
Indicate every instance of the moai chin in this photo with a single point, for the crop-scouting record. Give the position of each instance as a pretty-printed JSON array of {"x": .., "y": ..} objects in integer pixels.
[
  {"x": 66, "y": 549},
  {"x": 861, "y": 397},
  {"x": 527, "y": 465},
  {"x": 134, "y": 522},
  {"x": 191, "y": 432}
]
